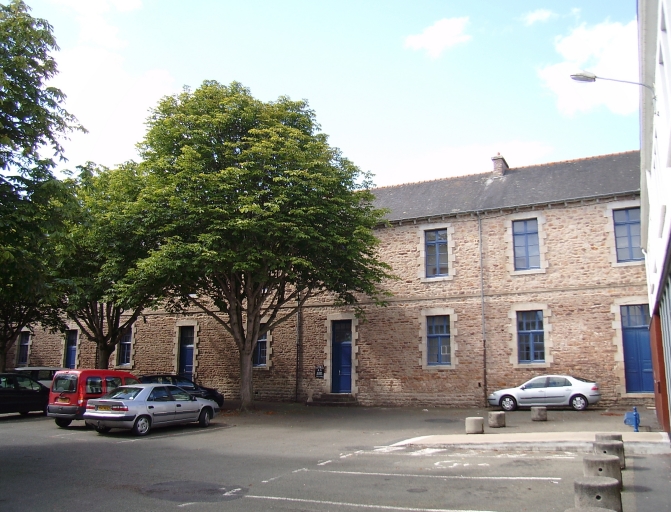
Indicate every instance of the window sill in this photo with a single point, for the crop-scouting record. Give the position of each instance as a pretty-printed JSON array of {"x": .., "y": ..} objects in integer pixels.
[
  {"x": 532, "y": 365},
  {"x": 261, "y": 367},
  {"x": 436, "y": 279},
  {"x": 438, "y": 367},
  {"x": 528, "y": 272},
  {"x": 628, "y": 263}
]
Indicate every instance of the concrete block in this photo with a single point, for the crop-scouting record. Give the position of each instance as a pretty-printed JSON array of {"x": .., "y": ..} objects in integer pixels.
[
  {"x": 475, "y": 425},
  {"x": 496, "y": 419},
  {"x": 589, "y": 509},
  {"x": 611, "y": 448},
  {"x": 597, "y": 491},
  {"x": 602, "y": 465},
  {"x": 601, "y": 437},
  {"x": 539, "y": 414}
]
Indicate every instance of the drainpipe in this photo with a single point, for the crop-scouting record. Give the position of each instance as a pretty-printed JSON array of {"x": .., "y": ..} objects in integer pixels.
[
  {"x": 299, "y": 329},
  {"x": 482, "y": 312}
]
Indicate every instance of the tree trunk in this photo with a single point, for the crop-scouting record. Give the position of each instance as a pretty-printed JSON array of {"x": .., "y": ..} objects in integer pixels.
[
  {"x": 246, "y": 381},
  {"x": 3, "y": 359},
  {"x": 104, "y": 353}
]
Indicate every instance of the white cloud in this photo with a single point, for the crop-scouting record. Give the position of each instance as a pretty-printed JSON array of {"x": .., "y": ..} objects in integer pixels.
[
  {"x": 442, "y": 34},
  {"x": 609, "y": 50},
  {"x": 111, "y": 102},
  {"x": 449, "y": 161},
  {"x": 538, "y": 15}
]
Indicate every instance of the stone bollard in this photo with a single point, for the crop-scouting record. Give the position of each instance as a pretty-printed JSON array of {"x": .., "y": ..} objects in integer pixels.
[
  {"x": 589, "y": 509},
  {"x": 601, "y": 437},
  {"x": 496, "y": 419},
  {"x": 597, "y": 491},
  {"x": 602, "y": 465},
  {"x": 475, "y": 425},
  {"x": 539, "y": 414},
  {"x": 611, "y": 448}
]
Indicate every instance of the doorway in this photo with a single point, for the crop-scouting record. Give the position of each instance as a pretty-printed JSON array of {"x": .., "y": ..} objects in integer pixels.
[{"x": 341, "y": 356}]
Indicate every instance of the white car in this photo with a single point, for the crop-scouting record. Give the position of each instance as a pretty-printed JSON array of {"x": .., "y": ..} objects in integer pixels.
[
  {"x": 548, "y": 390},
  {"x": 141, "y": 407}
]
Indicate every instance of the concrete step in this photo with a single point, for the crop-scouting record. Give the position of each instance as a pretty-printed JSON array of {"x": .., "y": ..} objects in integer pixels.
[{"x": 334, "y": 399}]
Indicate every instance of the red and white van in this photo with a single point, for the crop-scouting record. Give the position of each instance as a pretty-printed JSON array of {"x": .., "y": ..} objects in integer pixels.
[{"x": 71, "y": 389}]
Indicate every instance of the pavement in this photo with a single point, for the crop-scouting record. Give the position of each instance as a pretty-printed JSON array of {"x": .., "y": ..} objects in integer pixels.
[{"x": 564, "y": 430}]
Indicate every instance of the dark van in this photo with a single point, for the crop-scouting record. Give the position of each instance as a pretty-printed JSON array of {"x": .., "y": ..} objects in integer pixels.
[{"x": 71, "y": 389}]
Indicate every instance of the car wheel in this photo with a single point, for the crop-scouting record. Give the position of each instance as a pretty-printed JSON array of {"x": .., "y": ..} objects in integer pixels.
[
  {"x": 204, "y": 418},
  {"x": 508, "y": 403},
  {"x": 142, "y": 426},
  {"x": 579, "y": 403},
  {"x": 103, "y": 430},
  {"x": 63, "y": 422}
]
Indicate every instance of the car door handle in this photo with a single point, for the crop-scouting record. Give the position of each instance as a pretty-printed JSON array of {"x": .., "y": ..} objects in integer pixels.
[
  {"x": 179, "y": 405},
  {"x": 150, "y": 407}
]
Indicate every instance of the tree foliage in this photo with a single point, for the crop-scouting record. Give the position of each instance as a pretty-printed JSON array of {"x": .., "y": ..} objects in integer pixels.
[
  {"x": 256, "y": 213},
  {"x": 104, "y": 245},
  {"x": 33, "y": 204}
]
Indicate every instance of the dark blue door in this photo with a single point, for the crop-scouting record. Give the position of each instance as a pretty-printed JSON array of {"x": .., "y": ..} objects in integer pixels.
[
  {"x": 341, "y": 356},
  {"x": 70, "y": 348},
  {"x": 637, "y": 352},
  {"x": 186, "y": 351}
]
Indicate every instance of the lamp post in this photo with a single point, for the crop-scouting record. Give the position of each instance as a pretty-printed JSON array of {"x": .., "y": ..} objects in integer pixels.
[{"x": 587, "y": 76}]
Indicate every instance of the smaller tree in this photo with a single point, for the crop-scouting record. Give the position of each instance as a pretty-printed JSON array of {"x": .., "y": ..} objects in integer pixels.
[{"x": 104, "y": 245}]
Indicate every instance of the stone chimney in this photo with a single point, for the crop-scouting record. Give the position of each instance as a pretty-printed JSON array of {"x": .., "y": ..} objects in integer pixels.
[{"x": 500, "y": 165}]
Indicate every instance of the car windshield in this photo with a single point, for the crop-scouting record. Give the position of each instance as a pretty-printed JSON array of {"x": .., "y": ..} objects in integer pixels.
[
  {"x": 124, "y": 393},
  {"x": 65, "y": 383}
]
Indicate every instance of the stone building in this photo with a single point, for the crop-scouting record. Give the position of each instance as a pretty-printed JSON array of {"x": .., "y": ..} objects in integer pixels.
[{"x": 500, "y": 277}]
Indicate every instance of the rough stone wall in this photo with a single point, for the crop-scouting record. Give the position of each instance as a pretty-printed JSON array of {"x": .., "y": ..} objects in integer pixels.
[{"x": 578, "y": 287}]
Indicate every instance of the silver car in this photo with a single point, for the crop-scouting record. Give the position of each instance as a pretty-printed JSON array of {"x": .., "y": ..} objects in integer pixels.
[
  {"x": 548, "y": 390},
  {"x": 141, "y": 407}
]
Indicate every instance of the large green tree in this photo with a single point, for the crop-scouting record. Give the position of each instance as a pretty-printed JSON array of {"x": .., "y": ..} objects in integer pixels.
[
  {"x": 103, "y": 245},
  {"x": 256, "y": 213},
  {"x": 33, "y": 204}
]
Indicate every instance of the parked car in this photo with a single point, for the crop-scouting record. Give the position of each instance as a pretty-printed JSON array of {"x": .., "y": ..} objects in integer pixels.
[
  {"x": 20, "y": 393},
  {"x": 42, "y": 374},
  {"x": 71, "y": 389},
  {"x": 191, "y": 387},
  {"x": 548, "y": 390},
  {"x": 142, "y": 407}
]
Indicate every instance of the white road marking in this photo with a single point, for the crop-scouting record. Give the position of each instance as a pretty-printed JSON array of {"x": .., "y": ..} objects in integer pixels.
[
  {"x": 187, "y": 504},
  {"x": 232, "y": 492},
  {"x": 324, "y": 463},
  {"x": 299, "y": 470},
  {"x": 361, "y": 505},
  {"x": 388, "y": 449},
  {"x": 427, "y": 451},
  {"x": 446, "y": 477},
  {"x": 270, "y": 479}
]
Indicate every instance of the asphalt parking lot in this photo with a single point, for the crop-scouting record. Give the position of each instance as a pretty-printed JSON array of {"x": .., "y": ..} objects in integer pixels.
[{"x": 292, "y": 457}]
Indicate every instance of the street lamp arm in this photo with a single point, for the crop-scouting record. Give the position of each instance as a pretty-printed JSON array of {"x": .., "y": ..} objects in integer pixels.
[
  {"x": 587, "y": 76},
  {"x": 652, "y": 90}
]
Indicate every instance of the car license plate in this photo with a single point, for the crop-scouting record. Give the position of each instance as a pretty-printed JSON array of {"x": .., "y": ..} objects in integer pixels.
[
  {"x": 63, "y": 400},
  {"x": 103, "y": 408}
]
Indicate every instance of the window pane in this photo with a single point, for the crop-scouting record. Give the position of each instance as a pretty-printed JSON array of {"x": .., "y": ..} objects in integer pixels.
[
  {"x": 634, "y": 214},
  {"x": 620, "y": 215},
  {"x": 94, "y": 385},
  {"x": 621, "y": 231},
  {"x": 430, "y": 236},
  {"x": 432, "y": 355},
  {"x": 441, "y": 235}
]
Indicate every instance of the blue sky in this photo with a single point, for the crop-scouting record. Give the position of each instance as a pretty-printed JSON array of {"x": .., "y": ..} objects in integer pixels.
[{"x": 410, "y": 91}]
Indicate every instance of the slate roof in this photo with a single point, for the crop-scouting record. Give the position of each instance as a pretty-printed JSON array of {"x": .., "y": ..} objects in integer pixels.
[{"x": 600, "y": 176}]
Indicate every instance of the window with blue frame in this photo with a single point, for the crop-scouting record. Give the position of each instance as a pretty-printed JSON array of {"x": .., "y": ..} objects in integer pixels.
[
  {"x": 526, "y": 245},
  {"x": 24, "y": 343},
  {"x": 436, "y": 252},
  {"x": 530, "y": 337},
  {"x": 628, "y": 234},
  {"x": 438, "y": 340},
  {"x": 635, "y": 316},
  {"x": 124, "y": 350},
  {"x": 259, "y": 356}
]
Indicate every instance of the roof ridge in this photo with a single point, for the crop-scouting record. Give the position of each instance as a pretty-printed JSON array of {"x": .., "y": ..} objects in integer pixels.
[{"x": 548, "y": 164}]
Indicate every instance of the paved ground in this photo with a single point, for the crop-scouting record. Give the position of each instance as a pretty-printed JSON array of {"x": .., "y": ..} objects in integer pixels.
[{"x": 294, "y": 458}]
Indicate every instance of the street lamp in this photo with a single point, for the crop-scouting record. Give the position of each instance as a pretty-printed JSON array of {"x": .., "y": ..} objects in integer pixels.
[{"x": 587, "y": 76}]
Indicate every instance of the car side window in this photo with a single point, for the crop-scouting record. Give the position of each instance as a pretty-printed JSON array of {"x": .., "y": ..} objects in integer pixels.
[
  {"x": 179, "y": 394},
  {"x": 112, "y": 383},
  {"x": 94, "y": 385},
  {"x": 536, "y": 383},
  {"x": 184, "y": 383},
  {"x": 6, "y": 382},
  {"x": 160, "y": 394},
  {"x": 26, "y": 383},
  {"x": 558, "y": 382}
]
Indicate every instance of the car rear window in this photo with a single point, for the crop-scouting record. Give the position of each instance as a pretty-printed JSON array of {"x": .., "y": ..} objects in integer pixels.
[
  {"x": 124, "y": 393},
  {"x": 112, "y": 383},
  {"x": 581, "y": 379},
  {"x": 65, "y": 383},
  {"x": 132, "y": 380}
]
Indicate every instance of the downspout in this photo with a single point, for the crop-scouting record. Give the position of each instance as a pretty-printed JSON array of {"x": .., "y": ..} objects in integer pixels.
[
  {"x": 482, "y": 312},
  {"x": 299, "y": 329}
]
